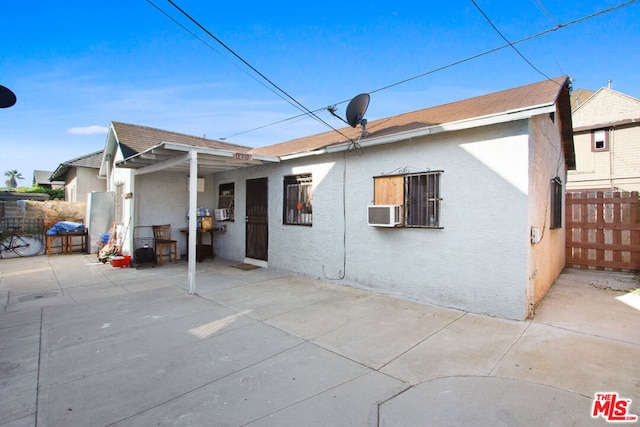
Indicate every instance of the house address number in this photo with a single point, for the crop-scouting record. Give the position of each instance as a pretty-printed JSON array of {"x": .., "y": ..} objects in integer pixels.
[{"x": 243, "y": 157}]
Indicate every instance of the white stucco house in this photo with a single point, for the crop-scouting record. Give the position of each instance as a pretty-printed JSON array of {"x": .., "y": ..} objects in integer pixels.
[
  {"x": 147, "y": 172},
  {"x": 475, "y": 189}
]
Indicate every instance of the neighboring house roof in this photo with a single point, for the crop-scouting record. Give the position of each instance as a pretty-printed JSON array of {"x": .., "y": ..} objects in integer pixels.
[
  {"x": 135, "y": 139},
  {"x": 579, "y": 96},
  {"x": 90, "y": 161},
  {"x": 41, "y": 178},
  {"x": 523, "y": 98},
  {"x": 606, "y": 107}
]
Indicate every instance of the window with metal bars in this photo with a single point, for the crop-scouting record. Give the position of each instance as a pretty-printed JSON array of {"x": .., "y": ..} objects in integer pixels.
[
  {"x": 422, "y": 200},
  {"x": 226, "y": 199},
  {"x": 298, "y": 200},
  {"x": 557, "y": 194}
]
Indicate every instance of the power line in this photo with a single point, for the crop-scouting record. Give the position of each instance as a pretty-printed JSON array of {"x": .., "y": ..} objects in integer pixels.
[
  {"x": 306, "y": 112},
  {"x": 275, "y": 123},
  {"x": 522, "y": 40},
  {"x": 545, "y": 11},
  {"x": 508, "y": 42},
  {"x": 278, "y": 88},
  {"x": 214, "y": 49}
]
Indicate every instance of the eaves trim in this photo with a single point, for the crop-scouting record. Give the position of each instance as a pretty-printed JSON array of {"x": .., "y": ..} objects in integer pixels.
[
  {"x": 607, "y": 125},
  {"x": 504, "y": 117}
]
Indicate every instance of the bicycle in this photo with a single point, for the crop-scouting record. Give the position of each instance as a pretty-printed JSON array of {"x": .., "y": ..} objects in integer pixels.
[{"x": 21, "y": 244}]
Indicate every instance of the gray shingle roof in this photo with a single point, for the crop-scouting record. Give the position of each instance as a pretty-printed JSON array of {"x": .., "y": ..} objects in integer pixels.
[
  {"x": 41, "y": 177},
  {"x": 92, "y": 161}
]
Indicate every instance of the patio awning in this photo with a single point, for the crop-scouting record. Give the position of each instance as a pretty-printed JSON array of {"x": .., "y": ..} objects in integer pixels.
[
  {"x": 195, "y": 161},
  {"x": 172, "y": 156}
]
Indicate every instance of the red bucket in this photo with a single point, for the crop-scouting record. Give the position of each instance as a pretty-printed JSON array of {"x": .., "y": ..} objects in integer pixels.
[{"x": 121, "y": 261}]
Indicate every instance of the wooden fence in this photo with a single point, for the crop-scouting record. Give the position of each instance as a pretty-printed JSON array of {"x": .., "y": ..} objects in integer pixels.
[
  {"x": 22, "y": 225},
  {"x": 603, "y": 230}
]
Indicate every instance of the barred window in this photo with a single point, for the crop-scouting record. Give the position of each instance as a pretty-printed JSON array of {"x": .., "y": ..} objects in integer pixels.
[
  {"x": 226, "y": 199},
  {"x": 298, "y": 200},
  {"x": 557, "y": 194},
  {"x": 422, "y": 200},
  {"x": 417, "y": 193}
]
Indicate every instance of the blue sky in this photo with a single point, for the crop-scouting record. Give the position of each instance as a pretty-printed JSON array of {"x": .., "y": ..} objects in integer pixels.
[{"x": 75, "y": 66}]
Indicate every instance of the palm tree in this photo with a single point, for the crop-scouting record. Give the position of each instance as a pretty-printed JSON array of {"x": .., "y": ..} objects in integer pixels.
[{"x": 12, "y": 178}]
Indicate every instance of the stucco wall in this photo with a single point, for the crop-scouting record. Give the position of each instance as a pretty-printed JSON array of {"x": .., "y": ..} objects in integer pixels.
[
  {"x": 82, "y": 181},
  {"x": 546, "y": 161},
  {"x": 71, "y": 187},
  {"x": 88, "y": 182},
  {"x": 477, "y": 262},
  {"x": 163, "y": 198}
]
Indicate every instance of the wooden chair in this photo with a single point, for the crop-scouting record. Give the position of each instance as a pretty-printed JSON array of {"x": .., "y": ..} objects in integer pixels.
[
  {"x": 56, "y": 244},
  {"x": 80, "y": 242},
  {"x": 51, "y": 247},
  {"x": 162, "y": 240}
]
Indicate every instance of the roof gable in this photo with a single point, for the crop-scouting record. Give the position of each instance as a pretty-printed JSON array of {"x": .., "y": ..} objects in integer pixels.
[
  {"x": 134, "y": 139},
  {"x": 604, "y": 107},
  {"x": 41, "y": 177},
  {"x": 510, "y": 100}
]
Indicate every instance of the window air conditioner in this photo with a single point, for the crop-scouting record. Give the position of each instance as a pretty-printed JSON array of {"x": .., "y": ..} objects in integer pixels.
[
  {"x": 221, "y": 214},
  {"x": 384, "y": 215}
]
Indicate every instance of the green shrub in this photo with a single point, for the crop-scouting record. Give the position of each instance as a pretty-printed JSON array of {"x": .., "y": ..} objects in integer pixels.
[{"x": 54, "y": 193}]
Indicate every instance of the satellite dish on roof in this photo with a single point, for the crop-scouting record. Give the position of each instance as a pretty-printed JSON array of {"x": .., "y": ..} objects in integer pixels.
[
  {"x": 7, "y": 98},
  {"x": 356, "y": 109},
  {"x": 355, "y": 112}
]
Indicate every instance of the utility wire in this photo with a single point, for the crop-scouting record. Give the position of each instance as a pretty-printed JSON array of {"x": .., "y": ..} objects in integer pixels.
[
  {"x": 545, "y": 11},
  {"x": 542, "y": 33},
  {"x": 508, "y": 42},
  {"x": 215, "y": 50},
  {"x": 262, "y": 83},
  {"x": 278, "y": 88},
  {"x": 304, "y": 114},
  {"x": 435, "y": 70},
  {"x": 275, "y": 123}
]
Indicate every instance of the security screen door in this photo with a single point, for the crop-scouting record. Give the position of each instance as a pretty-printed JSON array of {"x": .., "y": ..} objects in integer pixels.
[{"x": 257, "y": 226}]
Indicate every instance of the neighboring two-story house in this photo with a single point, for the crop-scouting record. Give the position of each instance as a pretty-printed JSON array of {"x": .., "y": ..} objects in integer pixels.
[{"x": 607, "y": 143}]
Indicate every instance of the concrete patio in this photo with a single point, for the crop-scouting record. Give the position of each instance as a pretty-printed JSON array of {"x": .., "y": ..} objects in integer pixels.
[{"x": 86, "y": 344}]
